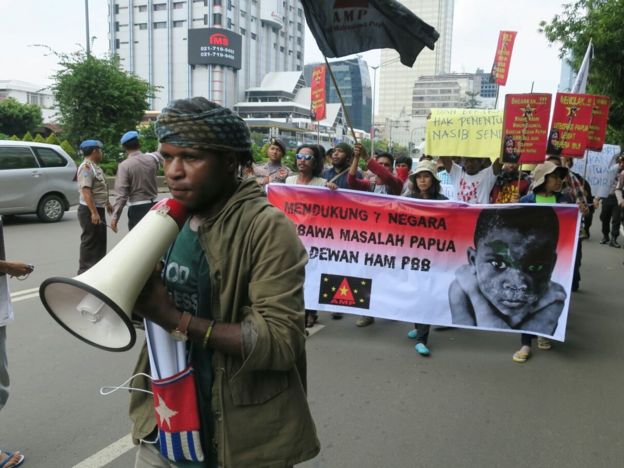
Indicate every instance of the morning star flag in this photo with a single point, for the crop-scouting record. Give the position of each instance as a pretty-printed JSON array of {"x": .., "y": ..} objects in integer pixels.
[
  {"x": 526, "y": 128},
  {"x": 501, "y": 267},
  {"x": 344, "y": 27}
]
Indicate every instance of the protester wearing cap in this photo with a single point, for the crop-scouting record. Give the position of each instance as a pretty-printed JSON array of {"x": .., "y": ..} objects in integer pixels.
[
  {"x": 93, "y": 205},
  {"x": 337, "y": 174},
  {"x": 135, "y": 184},
  {"x": 273, "y": 171},
  {"x": 424, "y": 184},
  {"x": 232, "y": 291}
]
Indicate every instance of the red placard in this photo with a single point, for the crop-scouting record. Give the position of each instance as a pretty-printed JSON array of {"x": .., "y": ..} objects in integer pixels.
[
  {"x": 598, "y": 127},
  {"x": 318, "y": 93},
  {"x": 525, "y": 128},
  {"x": 502, "y": 59},
  {"x": 570, "y": 125}
]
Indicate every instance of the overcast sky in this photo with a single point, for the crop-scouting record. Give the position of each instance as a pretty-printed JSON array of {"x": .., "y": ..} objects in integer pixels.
[{"x": 61, "y": 26}]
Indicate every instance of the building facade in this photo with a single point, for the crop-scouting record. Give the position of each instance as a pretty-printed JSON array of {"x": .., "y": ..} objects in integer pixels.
[
  {"x": 152, "y": 40},
  {"x": 29, "y": 93},
  {"x": 354, "y": 82},
  {"x": 396, "y": 81}
]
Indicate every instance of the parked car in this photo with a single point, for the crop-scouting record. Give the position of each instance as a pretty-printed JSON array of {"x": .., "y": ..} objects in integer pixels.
[{"x": 36, "y": 178}]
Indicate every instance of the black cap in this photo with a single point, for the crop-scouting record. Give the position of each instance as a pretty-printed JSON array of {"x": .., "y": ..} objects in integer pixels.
[{"x": 278, "y": 142}]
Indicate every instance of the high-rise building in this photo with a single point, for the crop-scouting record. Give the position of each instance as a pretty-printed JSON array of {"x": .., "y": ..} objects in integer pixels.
[
  {"x": 396, "y": 81},
  {"x": 354, "y": 82},
  {"x": 211, "y": 48}
]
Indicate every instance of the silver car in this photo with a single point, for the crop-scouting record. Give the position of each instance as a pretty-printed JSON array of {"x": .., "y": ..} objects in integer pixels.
[{"x": 36, "y": 178}]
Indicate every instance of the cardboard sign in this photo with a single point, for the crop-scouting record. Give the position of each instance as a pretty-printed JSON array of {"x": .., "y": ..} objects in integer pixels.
[
  {"x": 318, "y": 110},
  {"x": 598, "y": 127},
  {"x": 471, "y": 133},
  {"x": 570, "y": 125},
  {"x": 502, "y": 59},
  {"x": 525, "y": 128}
]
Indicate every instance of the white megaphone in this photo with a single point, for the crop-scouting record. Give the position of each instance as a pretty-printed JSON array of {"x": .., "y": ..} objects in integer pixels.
[{"x": 96, "y": 306}]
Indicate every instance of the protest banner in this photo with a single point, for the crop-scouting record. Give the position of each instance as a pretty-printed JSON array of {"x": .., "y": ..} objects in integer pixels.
[
  {"x": 570, "y": 125},
  {"x": 598, "y": 126},
  {"x": 318, "y": 110},
  {"x": 600, "y": 169},
  {"x": 475, "y": 133},
  {"x": 525, "y": 128},
  {"x": 489, "y": 267},
  {"x": 502, "y": 58}
]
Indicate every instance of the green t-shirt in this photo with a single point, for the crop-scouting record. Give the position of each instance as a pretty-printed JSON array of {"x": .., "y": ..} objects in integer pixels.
[
  {"x": 552, "y": 199},
  {"x": 185, "y": 271}
]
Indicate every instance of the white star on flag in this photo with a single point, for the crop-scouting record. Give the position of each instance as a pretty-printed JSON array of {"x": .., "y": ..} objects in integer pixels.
[{"x": 164, "y": 412}]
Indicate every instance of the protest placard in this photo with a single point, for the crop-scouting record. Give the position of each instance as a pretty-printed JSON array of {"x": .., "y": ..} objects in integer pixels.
[
  {"x": 570, "y": 125},
  {"x": 525, "y": 128},
  {"x": 598, "y": 126},
  {"x": 472, "y": 133},
  {"x": 491, "y": 267},
  {"x": 600, "y": 169}
]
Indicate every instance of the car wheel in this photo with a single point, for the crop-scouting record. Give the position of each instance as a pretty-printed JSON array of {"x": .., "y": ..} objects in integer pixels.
[{"x": 50, "y": 209}]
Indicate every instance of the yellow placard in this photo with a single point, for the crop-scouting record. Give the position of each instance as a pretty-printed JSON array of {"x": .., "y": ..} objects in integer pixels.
[{"x": 472, "y": 133}]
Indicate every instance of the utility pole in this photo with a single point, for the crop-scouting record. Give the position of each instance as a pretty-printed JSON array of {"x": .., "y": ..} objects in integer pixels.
[{"x": 87, "y": 25}]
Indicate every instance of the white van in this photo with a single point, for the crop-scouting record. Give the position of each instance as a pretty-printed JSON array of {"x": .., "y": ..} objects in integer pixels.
[{"x": 36, "y": 178}]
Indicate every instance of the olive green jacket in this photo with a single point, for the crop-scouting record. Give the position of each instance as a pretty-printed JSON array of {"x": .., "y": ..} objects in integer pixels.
[{"x": 257, "y": 270}]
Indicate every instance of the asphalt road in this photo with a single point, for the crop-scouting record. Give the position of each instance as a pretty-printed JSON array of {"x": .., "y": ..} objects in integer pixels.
[{"x": 376, "y": 402}]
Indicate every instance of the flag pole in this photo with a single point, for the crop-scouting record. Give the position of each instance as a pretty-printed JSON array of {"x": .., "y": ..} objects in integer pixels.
[{"x": 344, "y": 108}]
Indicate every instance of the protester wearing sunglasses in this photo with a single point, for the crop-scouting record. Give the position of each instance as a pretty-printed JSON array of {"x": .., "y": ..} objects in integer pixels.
[{"x": 309, "y": 165}]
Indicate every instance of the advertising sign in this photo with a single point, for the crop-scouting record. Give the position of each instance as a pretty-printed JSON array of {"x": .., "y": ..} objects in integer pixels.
[{"x": 214, "y": 46}]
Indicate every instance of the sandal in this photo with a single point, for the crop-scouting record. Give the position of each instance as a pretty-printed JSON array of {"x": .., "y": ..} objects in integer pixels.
[
  {"x": 12, "y": 459},
  {"x": 522, "y": 355}
]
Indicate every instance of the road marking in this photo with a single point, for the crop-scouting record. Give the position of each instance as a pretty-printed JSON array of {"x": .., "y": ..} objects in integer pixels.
[
  {"x": 24, "y": 295},
  {"x": 107, "y": 454},
  {"x": 315, "y": 329}
]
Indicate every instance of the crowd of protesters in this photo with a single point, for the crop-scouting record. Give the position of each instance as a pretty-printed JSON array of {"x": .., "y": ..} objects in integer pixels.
[{"x": 470, "y": 180}]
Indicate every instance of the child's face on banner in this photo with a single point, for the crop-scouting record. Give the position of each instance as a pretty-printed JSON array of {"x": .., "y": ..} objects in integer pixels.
[{"x": 513, "y": 269}]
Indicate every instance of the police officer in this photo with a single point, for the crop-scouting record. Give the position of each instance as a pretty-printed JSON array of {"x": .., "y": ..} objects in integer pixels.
[
  {"x": 93, "y": 203},
  {"x": 135, "y": 183}
]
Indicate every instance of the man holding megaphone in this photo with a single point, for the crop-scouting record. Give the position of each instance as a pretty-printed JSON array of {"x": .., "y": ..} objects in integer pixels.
[{"x": 231, "y": 288}]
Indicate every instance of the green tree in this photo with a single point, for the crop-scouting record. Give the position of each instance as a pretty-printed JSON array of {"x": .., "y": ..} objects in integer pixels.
[
  {"x": 27, "y": 137},
  {"x": 600, "y": 21},
  {"x": 97, "y": 99},
  {"x": 69, "y": 149},
  {"x": 14, "y": 138},
  {"x": 53, "y": 139},
  {"x": 147, "y": 137},
  {"x": 17, "y": 118},
  {"x": 39, "y": 138}
]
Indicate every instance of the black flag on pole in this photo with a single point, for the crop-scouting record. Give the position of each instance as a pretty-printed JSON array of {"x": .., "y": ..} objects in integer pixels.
[{"x": 344, "y": 27}]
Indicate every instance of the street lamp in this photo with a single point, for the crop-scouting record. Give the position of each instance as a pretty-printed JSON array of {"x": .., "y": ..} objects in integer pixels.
[{"x": 87, "y": 25}]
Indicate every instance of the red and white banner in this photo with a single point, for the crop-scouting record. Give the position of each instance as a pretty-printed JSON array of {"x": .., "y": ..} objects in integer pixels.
[
  {"x": 572, "y": 117},
  {"x": 525, "y": 128},
  {"x": 502, "y": 59},
  {"x": 318, "y": 109},
  {"x": 489, "y": 267}
]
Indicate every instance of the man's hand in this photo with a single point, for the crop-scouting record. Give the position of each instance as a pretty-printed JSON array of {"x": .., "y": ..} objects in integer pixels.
[
  {"x": 95, "y": 217},
  {"x": 583, "y": 207},
  {"x": 113, "y": 224},
  {"x": 331, "y": 186},
  {"x": 155, "y": 304},
  {"x": 360, "y": 152},
  {"x": 15, "y": 268},
  {"x": 596, "y": 203},
  {"x": 109, "y": 208}
]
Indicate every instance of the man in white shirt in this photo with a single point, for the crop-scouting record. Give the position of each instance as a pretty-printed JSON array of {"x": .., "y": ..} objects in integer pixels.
[{"x": 472, "y": 182}]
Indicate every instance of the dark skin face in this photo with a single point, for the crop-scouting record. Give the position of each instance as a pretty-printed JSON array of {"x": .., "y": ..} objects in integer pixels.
[
  {"x": 201, "y": 180},
  {"x": 339, "y": 158},
  {"x": 513, "y": 270},
  {"x": 472, "y": 165},
  {"x": 306, "y": 166}
]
